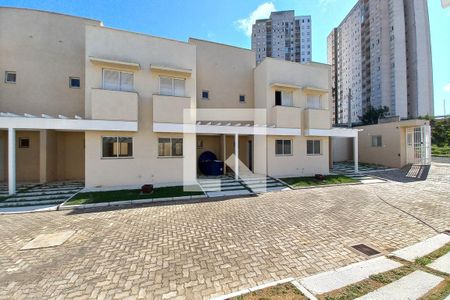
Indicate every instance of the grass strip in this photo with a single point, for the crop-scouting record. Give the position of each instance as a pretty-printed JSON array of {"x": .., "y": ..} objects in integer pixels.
[
  {"x": 285, "y": 291},
  {"x": 298, "y": 182},
  {"x": 123, "y": 195}
]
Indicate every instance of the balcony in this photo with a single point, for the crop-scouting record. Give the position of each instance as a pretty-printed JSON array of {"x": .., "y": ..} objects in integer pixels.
[
  {"x": 169, "y": 109},
  {"x": 114, "y": 105},
  {"x": 286, "y": 116},
  {"x": 316, "y": 119}
]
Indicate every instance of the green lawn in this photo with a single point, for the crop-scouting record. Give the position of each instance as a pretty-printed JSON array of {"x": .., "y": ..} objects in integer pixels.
[
  {"x": 298, "y": 182},
  {"x": 440, "y": 150},
  {"x": 122, "y": 195}
]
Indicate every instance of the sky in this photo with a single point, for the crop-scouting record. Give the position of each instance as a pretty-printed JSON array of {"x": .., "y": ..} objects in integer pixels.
[{"x": 229, "y": 22}]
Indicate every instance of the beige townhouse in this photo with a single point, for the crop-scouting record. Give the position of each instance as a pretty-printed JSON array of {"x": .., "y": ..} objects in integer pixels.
[{"x": 115, "y": 108}]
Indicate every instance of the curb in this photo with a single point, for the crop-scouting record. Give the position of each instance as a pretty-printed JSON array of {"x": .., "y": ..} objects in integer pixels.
[{"x": 129, "y": 202}]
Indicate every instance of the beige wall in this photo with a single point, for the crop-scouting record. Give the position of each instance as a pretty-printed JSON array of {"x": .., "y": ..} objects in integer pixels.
[
  {"x": 145, "y": 166},
  {"x": 298, "y": 164},
  {"x": 44, "y": 49},
  {"x": 272, "y": 75},
  {"x": 27, "y": 159},
  {"x": 393, "y": 150},
  {"x": 226, "y": 72},
  {"x": 342, "y": 149},
  {"x": 70, "y": 156}
]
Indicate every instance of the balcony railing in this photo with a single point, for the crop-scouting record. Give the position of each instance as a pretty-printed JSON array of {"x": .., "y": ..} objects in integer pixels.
[
  {"x": 169, "y": 109},
  {"x": 114, "y": 105}
]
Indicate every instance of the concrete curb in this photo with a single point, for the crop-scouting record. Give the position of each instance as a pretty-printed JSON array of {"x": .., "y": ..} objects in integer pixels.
[{"x": 129, "y": 202}]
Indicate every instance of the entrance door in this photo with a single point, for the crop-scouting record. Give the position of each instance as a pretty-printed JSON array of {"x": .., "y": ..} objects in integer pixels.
[{"x": 418, "y": 145}]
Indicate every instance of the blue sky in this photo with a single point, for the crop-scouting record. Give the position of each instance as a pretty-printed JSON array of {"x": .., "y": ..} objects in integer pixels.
[{"x": 227, "y": 22}]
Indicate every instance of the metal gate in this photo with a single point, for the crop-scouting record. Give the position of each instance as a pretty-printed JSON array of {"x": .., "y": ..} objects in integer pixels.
[{"x": 418, "y": 145}]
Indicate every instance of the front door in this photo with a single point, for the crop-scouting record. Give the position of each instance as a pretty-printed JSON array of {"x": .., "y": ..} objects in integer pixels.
[{"x": 418, "y": 145}]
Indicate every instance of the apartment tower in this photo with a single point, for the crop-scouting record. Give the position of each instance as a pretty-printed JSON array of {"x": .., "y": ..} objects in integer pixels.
[
  {"x": 382, "y": 52},
  {"x": 283, "y": 36}
]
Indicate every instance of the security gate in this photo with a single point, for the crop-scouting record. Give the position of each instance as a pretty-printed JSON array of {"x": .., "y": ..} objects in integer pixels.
[{"x": 418, "y": 145}]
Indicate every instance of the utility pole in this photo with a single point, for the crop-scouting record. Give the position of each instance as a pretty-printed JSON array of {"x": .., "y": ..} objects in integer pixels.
[
  {"x": 445, "y": 113},
  {"x": 349, "y": 116}
]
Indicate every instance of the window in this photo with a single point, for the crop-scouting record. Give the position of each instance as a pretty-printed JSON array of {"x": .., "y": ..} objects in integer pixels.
[
  {"x": 205, "y": 94},
  {"x": 10, "y": 77},
  {"x": 283, "y": 98},
  {"x": 24, "y": 143},
  {"x": 241, "y": 98},
  {"x": 117, "y": 80},
  {"x": 313, "y": 101},
  {"x": 376, "y": 141},
  {"x": 170, "y": 147},
  {"x": 116, "y": 147},
  {"x": 74, "y": 82},
  {"x": 313, "y": 147},
  {"x": 169, "y": 86},
  {"x": 283, "y": 147}
]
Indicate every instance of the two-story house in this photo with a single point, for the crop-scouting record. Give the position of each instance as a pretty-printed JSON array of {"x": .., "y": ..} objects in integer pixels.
[{"x": 116, "y": 108}]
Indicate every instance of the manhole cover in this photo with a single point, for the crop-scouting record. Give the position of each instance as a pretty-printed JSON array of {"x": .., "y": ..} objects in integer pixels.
[{"x": 365, "y": 249}]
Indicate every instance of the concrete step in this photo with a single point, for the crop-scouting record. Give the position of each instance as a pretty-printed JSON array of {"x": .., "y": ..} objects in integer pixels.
[
  {"x": 441, "y": 264},
  {"x": 40, "y": 197},
  {"x": 228, "y": 193},
  {"x": 51, "y": 192},
  {"x": 31, "y": 203},
  {"x": 332, "y": 280},
  {"x": 412, "y": 286},
  {"x": 423, "y": 248}
]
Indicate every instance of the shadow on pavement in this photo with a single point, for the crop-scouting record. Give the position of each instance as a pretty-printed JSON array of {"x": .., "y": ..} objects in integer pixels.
[{"x": 409, "y": 173}]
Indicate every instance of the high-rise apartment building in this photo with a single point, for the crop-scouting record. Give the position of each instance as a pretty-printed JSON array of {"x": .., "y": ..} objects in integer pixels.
[
  {"x": 283, "y": 36},
  {"x": 382, "y": 52}
]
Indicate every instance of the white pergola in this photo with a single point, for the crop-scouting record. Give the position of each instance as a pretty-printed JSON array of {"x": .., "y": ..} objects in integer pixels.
[
  {"x": 13, "y": 122},
  {"x": 339, "y": 132}
]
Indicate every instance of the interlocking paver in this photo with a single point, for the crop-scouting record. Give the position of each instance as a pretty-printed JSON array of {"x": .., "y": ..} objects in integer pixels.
[{"x": 197, "y": 250}]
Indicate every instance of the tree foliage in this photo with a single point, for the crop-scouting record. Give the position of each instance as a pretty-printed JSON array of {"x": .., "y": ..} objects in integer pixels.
[{"x": 372, "y": 115}]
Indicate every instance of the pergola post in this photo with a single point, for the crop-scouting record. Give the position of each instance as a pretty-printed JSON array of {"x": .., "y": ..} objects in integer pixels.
[
  {"x": 11, "y": 161},
  {"x": 236, "y": 156},
  {"x": 224, "y": 152},
  {"x": 355, "y": 152}
]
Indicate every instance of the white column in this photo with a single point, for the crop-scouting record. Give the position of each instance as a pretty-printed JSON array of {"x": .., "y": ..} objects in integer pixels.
[
  {"x": 11, "y": 161},
  {"x": 224, "y": 152},
  {"x": 236, "y": 156},
  {"x": 355, "y": 153}
]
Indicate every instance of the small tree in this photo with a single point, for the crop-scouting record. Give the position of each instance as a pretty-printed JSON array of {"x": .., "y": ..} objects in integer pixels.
[{"x": 372, "y": 115}]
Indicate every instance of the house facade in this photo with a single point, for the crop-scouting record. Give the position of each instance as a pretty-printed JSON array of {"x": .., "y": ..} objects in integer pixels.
[{"x": 81, "y": 101}]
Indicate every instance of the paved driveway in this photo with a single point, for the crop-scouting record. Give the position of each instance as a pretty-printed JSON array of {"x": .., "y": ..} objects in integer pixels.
[{"x": 198, "y": 250}]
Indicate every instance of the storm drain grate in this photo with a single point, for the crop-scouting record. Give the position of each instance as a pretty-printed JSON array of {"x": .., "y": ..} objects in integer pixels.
[{"x": 365, "y": 249}]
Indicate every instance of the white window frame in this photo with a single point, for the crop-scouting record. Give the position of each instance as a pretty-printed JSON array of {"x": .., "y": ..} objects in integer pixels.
[
  {"x": 6, "y": 77},
  {"x": 120, "y": 80},
  {"x": 314, "y": 152},
  {"x": 171, "y": 147},
  {"x": 313, "y": 105},
  {"x": 283, "y": 142},
  {"x": 117, "y": 142},
  {"x": 375, "y": 138},
  {"x": 172, "y": 78},
  {"x": 70, "y": 82}
]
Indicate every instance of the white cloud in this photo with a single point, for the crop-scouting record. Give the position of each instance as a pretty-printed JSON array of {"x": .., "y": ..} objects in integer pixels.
[
  {"x": 326, "y": 3},
  {"x": 446, "y": 88},
  {"x": 261, "y": 12}
]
